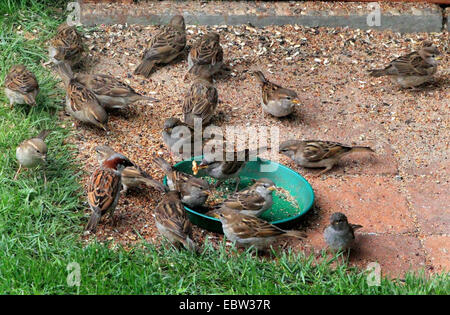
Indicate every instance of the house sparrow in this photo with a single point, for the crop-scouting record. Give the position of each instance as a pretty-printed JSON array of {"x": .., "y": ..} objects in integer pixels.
[
  {"x": 314, "y": 154},
  {"x": 110, "y": 92},
  {"x": 164, "y": 46},
  {"x": 21, "y": 86},
  {"x": 180, "y": 138},
  {"x": 193, "y": 191},
  {"x": 412, "y": 69},
  {"x": 81, "y": 103},
  {"x": 173, "y": 223},
  {"x": 32, "y": 152},
  {"x": 221, "y": 168},
  {"x": 275, "y": 99},
  {"x": 200, "y": 102},
  {"x": 340, "y": 235},
  {"x": 206, "y": 54},
  {"x": 104, "y": 188},
  {"x": 246, "y": 230},
  {"x": 66, "y": 46},
  {"x": 132, "y": 176},
  {"x": 253, "y": 200}
]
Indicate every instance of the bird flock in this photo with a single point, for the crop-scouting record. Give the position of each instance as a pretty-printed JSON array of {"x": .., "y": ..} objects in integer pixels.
[{"x": 89, "y": 97}]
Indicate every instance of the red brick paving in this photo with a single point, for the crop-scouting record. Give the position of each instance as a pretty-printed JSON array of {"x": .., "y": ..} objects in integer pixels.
[{"x": 438, "y": 253}]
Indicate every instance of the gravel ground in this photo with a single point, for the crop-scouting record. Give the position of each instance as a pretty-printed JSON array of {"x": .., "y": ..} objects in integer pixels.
[{"x": 327, "y": 67}]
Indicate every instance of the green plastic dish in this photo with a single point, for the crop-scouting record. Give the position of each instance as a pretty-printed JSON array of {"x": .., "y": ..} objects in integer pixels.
[{"x": 283, "y": 213}]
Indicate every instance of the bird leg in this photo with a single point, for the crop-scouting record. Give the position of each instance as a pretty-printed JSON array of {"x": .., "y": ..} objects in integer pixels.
[
  {"x": 238, "y": 181},
  {"x": 324, "y": 171},
  {"x": 18, "y": 171}
]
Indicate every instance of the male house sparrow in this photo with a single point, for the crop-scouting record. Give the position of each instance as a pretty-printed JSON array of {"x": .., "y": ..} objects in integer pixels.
[
  {"x": 253, "y": 200},
  {"x": 316, "y": 153},
  {"x": 32, "y": 152},
  {"x": 104, "y": 188},
  {"x": 173, "y": 223},
  {"x": 21, "y": 86},
  {"x": 340, "y": 235},
  {"x": 194, "y": 191},
  {"x": 111, "y": 92},
  {"x": 81, "y": 103},
  {"x": 246, "y": 230},
  {"x": 412, "y": 69},
  {"x": 132, "y": 176},
  {"x": 66, "y": 46},
  {"x": 275, "y": 99},
  {"x": 164, "y": 46},
  {"x": 206, "y": 54},
  {"x": 200, "y": 101}
]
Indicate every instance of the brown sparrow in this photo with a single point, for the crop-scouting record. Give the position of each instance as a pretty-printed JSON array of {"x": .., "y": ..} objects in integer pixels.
[
  {"x": 340, "y": 235},
  {"x": 110, "y": 92},
  {"x": 32, "y": 152},
  {"x": 21, "y": 86},
  {"x": 66, "y": 46},
  {"x": 193, "y": 191},
  {"x": 200, "y": 102},
  {"x": 316, "y": 153},
  {"x": 206, "y": 54},
  {"x": 104, "y": 188},
  {"x": 245, "y": 230},
  {"x": 132, "y": 176},
  {"x": 173, "y": 223},
  {"x": 412, "y": 69},
  {"x": 81, "y": 103},
  {"x": 164, "y": 47},
  {"x": 253, "y": 200},
  {"x": 222, "y": 168},
  {"x": 275, "y": 99}
]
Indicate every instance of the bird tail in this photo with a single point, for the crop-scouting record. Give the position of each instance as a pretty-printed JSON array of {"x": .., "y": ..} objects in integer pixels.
[
  {"x": 361, "y": 149},
  {"x": 150, "y": 182},
  {"x": 296, "y": 234},
  {"x": 163, "y": 164},
  {"x": 43, "y": 134},
  {"x": 145, "y": 68},
  {"x": 377, "y": 72},
  {"x": 260, "y": 76},
  {"x": 93, "y": 221}
]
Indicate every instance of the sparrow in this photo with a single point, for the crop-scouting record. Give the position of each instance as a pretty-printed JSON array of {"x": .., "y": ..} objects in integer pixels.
[
  {"x": 81, "y": 102},
  {"x": 200, "y": 101},
  {"x": 245, "y": 230},
  {"x": 412, "y": 69},
  {"x": 21, "y": 86},
  {"x": 32, "y": 152},
  {"x": 275, "y": 99},
  {"x": 193, "y": 191},
  {"x": 104, "y": 188},
  {"x": 316, "y": 153},
  {"x": 340, "y": 235},
  {"x": 226, "y": 165},
  {"x": 173, "y": 223},
  {"x": 132, "y": 176},
  {"x": 181, "y": 140},
  {"x": 66, "y": 46},
  {"x": 111, "y": 92},
  {"x": 253, "y": 200},
  {"x": 164, "y": 47},
  {"x": 206, "y": 54}
]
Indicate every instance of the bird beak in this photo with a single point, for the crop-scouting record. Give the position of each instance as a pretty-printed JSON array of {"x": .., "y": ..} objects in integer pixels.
[
  {"x": 272, "y": 188},
  {"x": 202, "y": 165},
  {"x": 439, "y": 57},
  {"x": 103, "y": 127},
  {"x": 296, "y": 101}
]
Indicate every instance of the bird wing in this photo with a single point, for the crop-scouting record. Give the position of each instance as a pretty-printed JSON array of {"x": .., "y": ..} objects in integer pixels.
[{"x": 104, "y": 185}]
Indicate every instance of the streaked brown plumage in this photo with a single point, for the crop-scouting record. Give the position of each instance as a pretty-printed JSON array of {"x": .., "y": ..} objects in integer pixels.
[
  {"x": 412, "y": 69},
  {"x": 104, "y": 188},
  {"x": 32, "y": 152},
  {"x": 206, "y": 54},
  {"x": 200, "y": 102},
  {"x": 245, "y": 230},
  {"x": 21, "y": 86},
  {"x": 317, "y": 153},
  {"x": 66, "y": 46},
  {"x": 164, "y": 47},
  {"x": 173, "y": 222}
]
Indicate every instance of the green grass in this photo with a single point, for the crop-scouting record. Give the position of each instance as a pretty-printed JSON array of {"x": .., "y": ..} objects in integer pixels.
[{"x": 40, "y": 228}]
